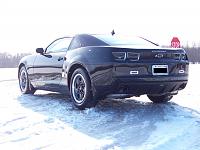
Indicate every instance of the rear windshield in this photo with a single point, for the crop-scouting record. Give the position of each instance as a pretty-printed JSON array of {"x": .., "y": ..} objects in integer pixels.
[{"x": 123, "y": 40}]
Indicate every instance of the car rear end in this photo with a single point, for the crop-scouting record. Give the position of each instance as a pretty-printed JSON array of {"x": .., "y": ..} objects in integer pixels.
[{"x": 149, "y": 71}]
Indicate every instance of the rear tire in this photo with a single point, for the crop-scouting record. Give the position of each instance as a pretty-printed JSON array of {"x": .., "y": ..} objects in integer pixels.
[
  {"x": 160, "y": 98},
  {"x": 24, "y": 83},
  {"x": 81, "y": 91}
]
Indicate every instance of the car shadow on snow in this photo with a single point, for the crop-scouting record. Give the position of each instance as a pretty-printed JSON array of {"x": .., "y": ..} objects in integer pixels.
[{"x": 126, "y": 122}]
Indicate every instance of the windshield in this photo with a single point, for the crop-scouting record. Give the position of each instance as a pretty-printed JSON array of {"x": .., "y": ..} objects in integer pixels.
[{"x": 123, "y": 40}]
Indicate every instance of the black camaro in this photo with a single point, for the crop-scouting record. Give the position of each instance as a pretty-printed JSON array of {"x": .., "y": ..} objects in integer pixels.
[{"x": 93, "y": 67}]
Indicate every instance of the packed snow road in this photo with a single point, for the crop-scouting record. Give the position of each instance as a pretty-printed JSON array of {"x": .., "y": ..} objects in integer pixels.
[{"x": 48, "y": 120}]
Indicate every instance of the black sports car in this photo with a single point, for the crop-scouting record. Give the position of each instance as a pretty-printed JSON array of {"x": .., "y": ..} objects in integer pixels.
[{"x": 93, "y": 67}]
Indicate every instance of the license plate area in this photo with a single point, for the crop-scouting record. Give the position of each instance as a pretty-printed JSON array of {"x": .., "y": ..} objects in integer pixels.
[{"x": 160, "y": 69}]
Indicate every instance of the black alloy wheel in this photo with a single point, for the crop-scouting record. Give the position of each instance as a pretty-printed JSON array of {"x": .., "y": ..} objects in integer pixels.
[
  {"x": 24, "y": 83},
  {"x": 80, "y": 89}
]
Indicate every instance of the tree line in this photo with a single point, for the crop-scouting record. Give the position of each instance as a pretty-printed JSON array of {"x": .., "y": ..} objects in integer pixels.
[{"x": 11, "y": 61}]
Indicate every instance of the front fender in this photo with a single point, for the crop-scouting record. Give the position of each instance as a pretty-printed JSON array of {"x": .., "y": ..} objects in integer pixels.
[{"x": 28, "y": 62}]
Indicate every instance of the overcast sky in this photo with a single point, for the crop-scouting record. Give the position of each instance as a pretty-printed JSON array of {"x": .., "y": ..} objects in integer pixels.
[{"x": 28, "y": 24}]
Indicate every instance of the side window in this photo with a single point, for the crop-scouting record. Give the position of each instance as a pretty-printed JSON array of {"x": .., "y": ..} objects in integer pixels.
[
  {"x": 60, "y": 45},
  {"x": 75, "y": 43}
]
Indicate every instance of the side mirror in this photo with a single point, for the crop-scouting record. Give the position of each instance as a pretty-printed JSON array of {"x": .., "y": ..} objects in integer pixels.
[{"x": 40, "y": 50}]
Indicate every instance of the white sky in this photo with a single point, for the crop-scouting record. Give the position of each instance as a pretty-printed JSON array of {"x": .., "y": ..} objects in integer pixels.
[{"x": 28, "y": 24}]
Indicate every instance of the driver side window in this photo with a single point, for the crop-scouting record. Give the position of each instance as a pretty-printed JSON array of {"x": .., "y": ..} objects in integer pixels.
[{"x": 60, "y": 45}]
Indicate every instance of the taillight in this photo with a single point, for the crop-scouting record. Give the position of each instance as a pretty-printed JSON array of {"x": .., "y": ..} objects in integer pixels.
[
  {"x": 177, "y": 56},
  {"x": 180, "y": 56},
  {"x": 120, "y": 56},
  {"x": 133, "y": 56},
  {"x": 183, "y": 56}
]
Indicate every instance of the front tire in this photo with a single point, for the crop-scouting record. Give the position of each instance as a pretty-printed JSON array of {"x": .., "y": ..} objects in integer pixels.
[
  {"x": 80, "y": 89},
  {"x": 24, "y": 83},
  {"x": 160, "y": 98}
]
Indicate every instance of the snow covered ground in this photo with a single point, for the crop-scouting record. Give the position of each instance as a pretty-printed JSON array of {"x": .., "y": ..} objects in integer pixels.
[{"x": 48, "y": 120}]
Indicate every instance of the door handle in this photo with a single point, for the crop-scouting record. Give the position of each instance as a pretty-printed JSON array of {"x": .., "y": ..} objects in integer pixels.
[{"x": 60, "y": 58}]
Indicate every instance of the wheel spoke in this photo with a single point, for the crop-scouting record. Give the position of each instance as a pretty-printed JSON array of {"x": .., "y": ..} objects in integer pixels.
[
  {"x": 76, "y": 90},
  {"x": 78, "y": 80},
  {"x": 78, "y": 96}
]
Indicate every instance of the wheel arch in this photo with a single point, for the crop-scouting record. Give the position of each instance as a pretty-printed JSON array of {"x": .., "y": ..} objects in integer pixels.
[{"x": 72, "y": 69}]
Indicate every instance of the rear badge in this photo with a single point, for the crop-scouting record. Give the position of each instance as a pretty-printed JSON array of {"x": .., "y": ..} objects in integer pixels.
[{"x": 159, "y": 56}]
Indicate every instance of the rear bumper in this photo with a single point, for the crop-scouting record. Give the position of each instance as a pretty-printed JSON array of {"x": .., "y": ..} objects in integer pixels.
[
  {"x": 155, "y": 85},
  {"x": 141, "y": 86}
]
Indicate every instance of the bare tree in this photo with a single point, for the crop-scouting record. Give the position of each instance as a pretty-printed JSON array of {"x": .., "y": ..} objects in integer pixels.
[{"x": 193, "y": 54}]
